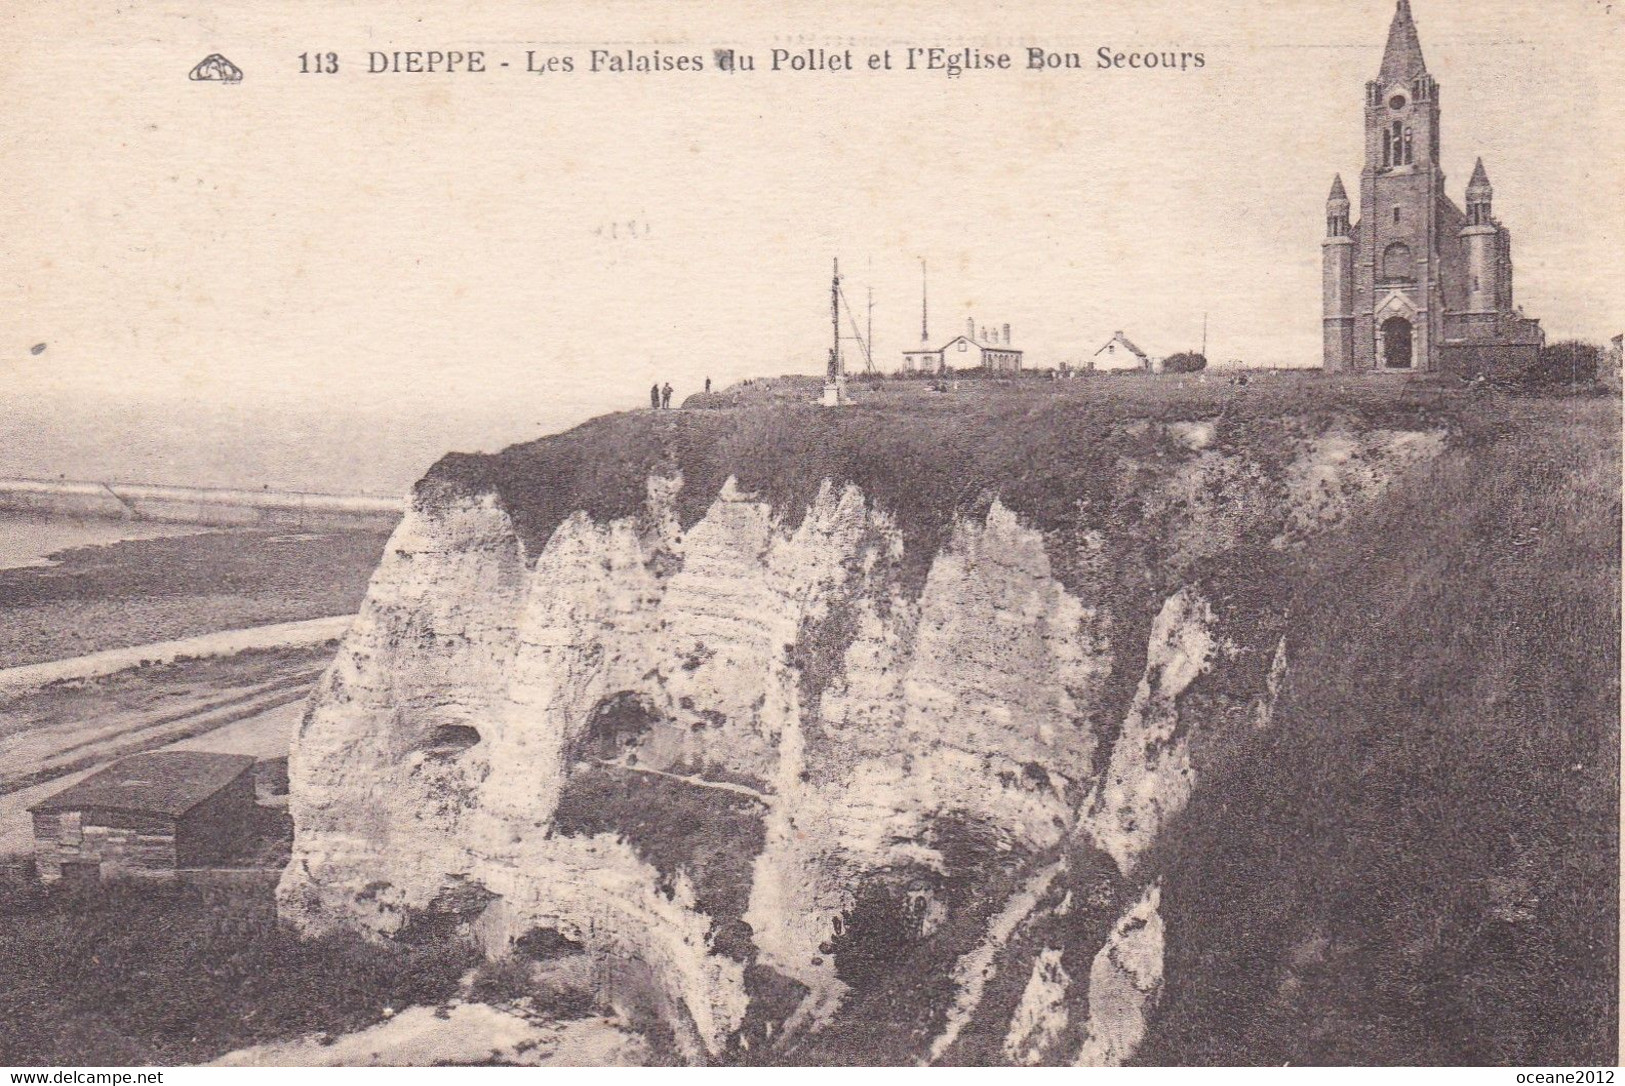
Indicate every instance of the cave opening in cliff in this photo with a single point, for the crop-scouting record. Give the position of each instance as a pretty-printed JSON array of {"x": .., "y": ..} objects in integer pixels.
[
  {"x": 546, "y": 944},
  {"x": 617, "y": 726},
  {"x": 450, "y": 740},
  {"x": 875, "y": 936}
]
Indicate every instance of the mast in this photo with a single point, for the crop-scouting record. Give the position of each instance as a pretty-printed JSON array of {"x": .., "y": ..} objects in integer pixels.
[
  {"x": 835, "y": 321},
  {"x": 869, "y": 336}
]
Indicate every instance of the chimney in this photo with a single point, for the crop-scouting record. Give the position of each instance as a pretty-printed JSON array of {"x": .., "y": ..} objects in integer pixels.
[
  {"x": 1007, "y": 335},
  {"x": 970, "y": 327}
]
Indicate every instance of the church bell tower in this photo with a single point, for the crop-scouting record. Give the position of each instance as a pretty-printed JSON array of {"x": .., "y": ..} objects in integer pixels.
[
  {"x": 1415, "y": 284},
  {"x": 1397, "y": 268}
]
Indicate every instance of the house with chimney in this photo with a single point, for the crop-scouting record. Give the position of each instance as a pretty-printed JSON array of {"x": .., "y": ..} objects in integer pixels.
[
  {"x": 986, "y": 347},
  {"x": 1119, "y": 353}
]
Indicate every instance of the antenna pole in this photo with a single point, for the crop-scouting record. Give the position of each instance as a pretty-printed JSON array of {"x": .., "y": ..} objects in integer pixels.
[
  {"x": 835, "y": 320},
  {"x": 869, "y": 335}
]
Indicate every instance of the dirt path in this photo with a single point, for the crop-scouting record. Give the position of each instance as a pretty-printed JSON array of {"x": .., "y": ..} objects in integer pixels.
[
  {"x": 46, "y": 754},
  {"x": 697, "y": 782}
]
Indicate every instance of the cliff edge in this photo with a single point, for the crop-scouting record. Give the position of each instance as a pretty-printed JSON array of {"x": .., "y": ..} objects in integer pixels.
[{"x": 832, "y": 736}]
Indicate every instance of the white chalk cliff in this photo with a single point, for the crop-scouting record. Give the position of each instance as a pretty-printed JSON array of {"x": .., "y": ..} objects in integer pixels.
[{"x": 749, "y": 749}]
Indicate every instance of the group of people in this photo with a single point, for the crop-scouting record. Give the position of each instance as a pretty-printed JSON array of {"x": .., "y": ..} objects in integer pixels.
[{"x": 660, "y": 395}]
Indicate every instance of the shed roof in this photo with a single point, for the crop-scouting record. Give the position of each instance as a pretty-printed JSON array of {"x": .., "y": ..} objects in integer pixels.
[{"x": 165, "y": 782}]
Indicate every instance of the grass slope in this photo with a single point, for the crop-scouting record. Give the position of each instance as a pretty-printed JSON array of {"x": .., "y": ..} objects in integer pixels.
[{"x": 1418, "y": 863}]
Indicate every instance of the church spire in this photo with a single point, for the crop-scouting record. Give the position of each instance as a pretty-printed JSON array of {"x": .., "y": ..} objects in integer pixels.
[
  {"x": 1402, "y": 59},
  {"x": 1337, "y": 210},
  {"x": 1479, "y": 196}
]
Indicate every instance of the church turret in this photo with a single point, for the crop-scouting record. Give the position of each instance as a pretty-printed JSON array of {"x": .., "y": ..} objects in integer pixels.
[
  {"x": 1480, "y": 240},
  {"x": 1479, "y": 195},
  {"x": 1337, "y": 210},
  {"x": 1337, "y": 280}
]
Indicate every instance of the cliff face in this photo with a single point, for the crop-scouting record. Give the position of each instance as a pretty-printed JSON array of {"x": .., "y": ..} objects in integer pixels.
[{"x": 781, "y": 753}]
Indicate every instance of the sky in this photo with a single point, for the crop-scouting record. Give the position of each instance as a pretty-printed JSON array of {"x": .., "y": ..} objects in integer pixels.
[{"x": 324, "y": 281}]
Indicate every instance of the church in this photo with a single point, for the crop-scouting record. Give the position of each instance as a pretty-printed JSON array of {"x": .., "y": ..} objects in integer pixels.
[{"x": 1416, "y": 284}]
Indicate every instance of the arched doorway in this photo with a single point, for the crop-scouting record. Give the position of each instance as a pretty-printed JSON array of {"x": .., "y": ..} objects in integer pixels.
[{"x": 1396, "y": 343}]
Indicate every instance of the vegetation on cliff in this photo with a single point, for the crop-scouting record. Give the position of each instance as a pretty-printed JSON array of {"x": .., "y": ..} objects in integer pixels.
[
  {"x": 153, "y": 975},
  {"x": 1418, "y": 862}
]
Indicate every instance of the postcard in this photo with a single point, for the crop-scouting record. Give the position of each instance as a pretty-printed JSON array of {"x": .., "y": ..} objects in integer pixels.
[{"x": 891, "y": 534}]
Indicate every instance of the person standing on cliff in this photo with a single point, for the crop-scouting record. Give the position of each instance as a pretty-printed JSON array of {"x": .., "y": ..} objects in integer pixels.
[
  {"x": 708, "y": 384},
  {"x": 654, "y": 396},
  {"x": 665, "y": 396}
]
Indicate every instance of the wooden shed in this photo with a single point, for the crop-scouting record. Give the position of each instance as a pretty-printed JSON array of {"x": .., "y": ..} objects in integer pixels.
[{"x": 147, "y": 815}]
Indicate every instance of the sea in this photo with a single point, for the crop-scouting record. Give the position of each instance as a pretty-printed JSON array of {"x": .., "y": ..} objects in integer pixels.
[
  {"x": 374, "y": 449},
  {"x": 363, "y": 449}
]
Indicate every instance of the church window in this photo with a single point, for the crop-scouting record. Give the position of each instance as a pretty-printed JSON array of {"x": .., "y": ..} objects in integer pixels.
[
  {"x": 1475, "y": 283},
  {"x": 1396, "y": 212},
  {"x": 1387, "y": 148},
  {"x": 1397, "y": 102},
  {"x": 1408, "y": 157}
]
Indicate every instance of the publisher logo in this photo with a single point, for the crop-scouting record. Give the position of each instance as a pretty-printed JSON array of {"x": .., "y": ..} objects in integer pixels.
[{"x": 215, "y": 68}]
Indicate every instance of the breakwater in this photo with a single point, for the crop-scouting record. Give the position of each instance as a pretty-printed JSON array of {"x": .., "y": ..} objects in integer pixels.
[{"x": 198, "y": 505}]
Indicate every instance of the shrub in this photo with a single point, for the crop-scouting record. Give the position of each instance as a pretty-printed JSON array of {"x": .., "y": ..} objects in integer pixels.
[
  {"x": 1567, "y": 362},
  {"x": 502, "y": 980},
  {"x": 1184, "y": 362}
]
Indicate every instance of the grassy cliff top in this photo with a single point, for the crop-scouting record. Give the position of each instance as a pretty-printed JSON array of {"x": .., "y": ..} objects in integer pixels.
[{"x": 1039, "y": 446}]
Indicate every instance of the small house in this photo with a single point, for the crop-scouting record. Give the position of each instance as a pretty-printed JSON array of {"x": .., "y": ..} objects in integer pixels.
[
  {"x": 1120, "y": 354},
  {"x": 147, "y": 815}
]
